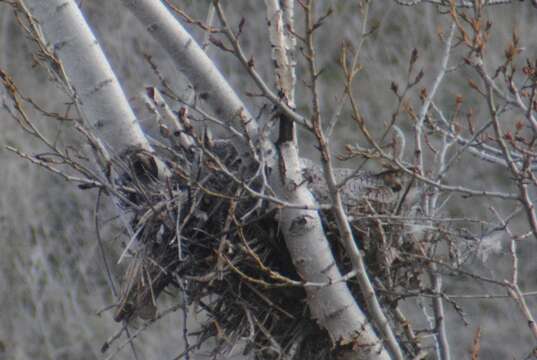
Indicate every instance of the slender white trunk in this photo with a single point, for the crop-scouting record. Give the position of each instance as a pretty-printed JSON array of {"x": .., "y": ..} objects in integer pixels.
[
  {"x": 192, "y": 61},
  {"x": 285, "y": 71},
  {"x": 96, "y": 88},
  {"x": 333, "y": 306}
]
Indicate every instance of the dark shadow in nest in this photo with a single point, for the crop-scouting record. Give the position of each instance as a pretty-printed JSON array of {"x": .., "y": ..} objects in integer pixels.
[{"x": 202, "y": 232}]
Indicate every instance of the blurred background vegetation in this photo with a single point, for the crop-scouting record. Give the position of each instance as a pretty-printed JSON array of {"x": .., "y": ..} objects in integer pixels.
[{"x": 52, "y": 279}]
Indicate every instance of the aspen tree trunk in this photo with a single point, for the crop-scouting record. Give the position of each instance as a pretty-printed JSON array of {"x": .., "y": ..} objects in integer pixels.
[
  {"x": 95, "y": 86},
  {"x": 333, "y": 306},
  {"x": 193, "y": 62}
]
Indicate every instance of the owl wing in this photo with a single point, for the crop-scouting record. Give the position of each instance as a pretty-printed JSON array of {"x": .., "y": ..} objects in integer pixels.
[{"x": 360, "y": 186}]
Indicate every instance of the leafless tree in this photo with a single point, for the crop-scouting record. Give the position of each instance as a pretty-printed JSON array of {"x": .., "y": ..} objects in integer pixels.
[{"x": 291, "y": 258}]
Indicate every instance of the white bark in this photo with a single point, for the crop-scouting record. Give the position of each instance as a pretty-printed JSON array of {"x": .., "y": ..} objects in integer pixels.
[
  {"x": 285, "y": 74},
  {"x": 97, "y": 91},
  {"x": 332, "y": 306},
  {"x": 192, "y": 61}
]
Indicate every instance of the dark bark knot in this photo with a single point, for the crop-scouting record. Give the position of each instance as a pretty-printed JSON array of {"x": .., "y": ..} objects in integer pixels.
[{"x": 301, "y": 224}]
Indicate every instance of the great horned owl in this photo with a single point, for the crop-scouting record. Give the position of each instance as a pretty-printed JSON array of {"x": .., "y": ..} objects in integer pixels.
[
  {"x": 366, "y": 195},
  {"x": 382, "y": 187}
]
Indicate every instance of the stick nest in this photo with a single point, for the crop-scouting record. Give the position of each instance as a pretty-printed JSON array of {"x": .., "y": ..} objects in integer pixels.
[{"x": 203, "y": 232}]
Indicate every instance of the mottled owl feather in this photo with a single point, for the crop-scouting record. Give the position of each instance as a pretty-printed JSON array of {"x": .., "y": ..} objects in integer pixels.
[{"x": 381, "y": 187}]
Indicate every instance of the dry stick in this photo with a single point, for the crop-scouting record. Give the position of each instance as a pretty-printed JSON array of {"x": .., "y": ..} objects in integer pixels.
[
  {"x": 517, "y": 295},
  {"x": 208, "y": 22},
  {"x": 339, "y": 106},
  {"x": 100, "y": 242},
  {"x": 529, "y": 108},
  {"x": 512, "y": 286},
  {"x": 517, "y": 173},
  {"x": 158, "y": 105},
  {"x": 90, "y": 179},
  {"x": 460, "y": 3},
  {"x": 279, "y": 277},
  {"x": 487, "y": 296},
  {"x": 144, "y": 326},
  {"x": 440, "y": 320},
  {"x": 368, "y": 291},
  {"x": 425, "y": 108},
  {"x": 111, "y": 284},
  {"x": 486, "y": 153},
  {"x": 517, "y": 102},
  {"x": 261, "y": 84},
  {"x": 170, "y": 93},
  {"x": 441, "y": 339},
  {"x": 46, "y": 165}
]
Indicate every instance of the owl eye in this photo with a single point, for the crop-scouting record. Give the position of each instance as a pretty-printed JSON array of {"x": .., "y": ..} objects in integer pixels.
[{"x": 396, "y": 186}]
